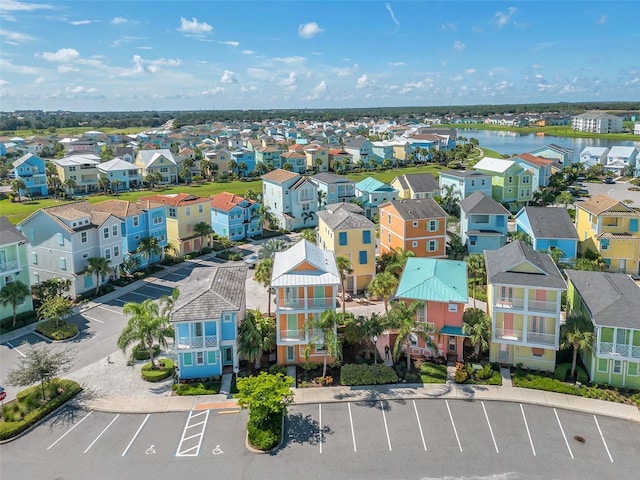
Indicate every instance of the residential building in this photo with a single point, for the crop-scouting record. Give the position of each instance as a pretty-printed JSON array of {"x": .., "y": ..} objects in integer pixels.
[
  {"x": 612, "y": 302},
  {"x": 372, "y": 193},
  {"x": 62, "y": 238},
  {"x": 483, "y": 223},
  {"x": 441, "y": 288},
  {"x": 539, "y": 167},
  {"x": 13, "y": 264},
  {"x": 621, "y": 160},
  {"x": 291, "y": 198},
  {"x": 353, "y": 236},
  {"x": 549, "y": 229},
  {"x": 609, "y": 228},
  {"x": 32, "y": 170},
  {"x": 122, "y": 174},
  {"x": 464, "y": 182},
  {"x": 524, "y": 291},
  {"x": 591, "y": 156},
  {"x": 82, "y": 168},
  {"x": 269, "y": 156},
  {"x": 340, "y": 160},
  {"x": 306, "y": 281},
  {"x": 416, "y": 225},
  {"x": 183, "y": 213},
  {"x": 511, "y": 184},
  {"x": 159, "y": 161},
  {"x": 416, "y": 185},
  {"x": 596, "y": 122},
  {"x": 221, "y": 159},
  {"x": 360, "y": 149},
  {"x": 552, "y": 151},
  {"x": 206, "y": 317},
  {"x": 297, "y": 160},
  {"x": 334, "y": 188},
  {"x": 317, "y": 158},
  {"x": 235, "y": 217}
]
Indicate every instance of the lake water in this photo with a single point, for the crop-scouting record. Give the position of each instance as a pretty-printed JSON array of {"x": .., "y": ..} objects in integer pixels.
[{"x": 514, "y": 143}]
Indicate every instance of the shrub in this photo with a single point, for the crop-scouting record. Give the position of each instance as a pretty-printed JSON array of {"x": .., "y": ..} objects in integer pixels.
[
  {"x": 210, "y": 386},
  {"x": 485, "y": 372},
  {"x": 164, "y": 370},
  {"x": 364, "y": 374},
  {"x": 461, "y": 375},
  {"x": 265, "y": 434},
  {"x": 562, "y": 372},
  {"x": 275, "y": 369},
  {"x": 62, "y": 331},
  {"x": 141, "y": 353},
  {"x": 22, "y": 320}
]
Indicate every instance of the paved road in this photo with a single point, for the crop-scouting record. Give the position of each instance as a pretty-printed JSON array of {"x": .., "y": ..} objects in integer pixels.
[
  {"x": 387, "y": 440},
  {"x": 619, "y": 190}
]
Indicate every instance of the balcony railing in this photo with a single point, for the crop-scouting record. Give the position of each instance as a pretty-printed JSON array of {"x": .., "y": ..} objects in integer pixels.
[
  {"x": 541, "y": 338},
  {"x": 510, "y": 303},
  {"x": 609, "y": 348},
  {"x": 311, "y": 302},
  {"x": 508, "y": 334},
  {"x": 542, "y": 306},
  {"x": 9, "y": 266},
  {"x": 207, "y": 341},
  {"x": 292, "y": 335}
]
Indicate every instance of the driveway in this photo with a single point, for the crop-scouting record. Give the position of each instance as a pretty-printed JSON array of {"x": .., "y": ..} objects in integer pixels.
[{"x": 619, "y": 190}]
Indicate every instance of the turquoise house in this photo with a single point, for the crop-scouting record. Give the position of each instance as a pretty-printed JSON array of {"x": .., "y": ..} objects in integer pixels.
[
  {"x": 372, "y": 193},
  {"x": 206, "y": 317},
  {"x": 549, "y": 228},
  {"x": 483, "y": 223},
  {"x": 32, "y": 170}
]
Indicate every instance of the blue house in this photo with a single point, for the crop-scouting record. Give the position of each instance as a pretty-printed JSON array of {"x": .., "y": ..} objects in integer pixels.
[
  {"x": 206, "y": 317},
  {"x": 371, "y": 193},
  {"x": 245, "y": 156},
  {"x": 335, "y": 188},
  {"x": 465, "y": 182},
  {"x": 235, "y": 217},
  {"x": 32, "y": 170},
  {"x": 483, "y": 223},
  {"x": 550, "y": 228},
  {"x": 561, "y": 154}
]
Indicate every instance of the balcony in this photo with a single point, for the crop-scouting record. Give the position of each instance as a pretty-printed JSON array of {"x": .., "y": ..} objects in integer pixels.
[
  {"x": 309, "y": 303},
  {"x": 11, "y": 266},
  {"x": 609, "y": 348},
  {"x": 207, "y": 341},
  {"x": 510, "y": 303},
  {"x": 292, "y": 335},
  {"x": 542, "y": 306},
  {"x": 508, "y": 334},
  {"x": 541, "y": 338}
]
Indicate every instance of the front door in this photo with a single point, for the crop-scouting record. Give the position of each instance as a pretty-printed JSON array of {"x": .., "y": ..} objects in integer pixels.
[
  {"x": 503, "y": 353},
  {"x": 291, "y": 354},
  {"x": 227, "y": 355}
]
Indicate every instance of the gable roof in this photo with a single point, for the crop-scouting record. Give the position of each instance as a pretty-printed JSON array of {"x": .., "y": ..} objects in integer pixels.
[
  {"x": 25, "y": 159},
  {"x": 225, "y": 201},
  {"x": 116, "y": 164},
  {"x": 209, "y": 291},
  {"x": 173, "y": 199},
  {"x": 330, "y": 178},
  {"x": 9, "y": 234},
  {"x": 414, "y": 209},
  {"x": 599, "y": 204},
  {"x": 119, "y": 208},
  {"x": 344, "y": 220},
  {"x": 72, "y": 211},
  {"x": 480, "y": 203},
  {"x": 147, "y": 157},
  {"x": 549, "y": 222},
  {"x": 346, "y": 206},
  {"x": 502, "y": 267},
  {"x": 534, "y": 160},
  {"x": 430, "y": 279},
  {"x": 279, "y": 175},
  {"x": 325, "y": 271},
  {"x": 498, "y": 165},
  {"x": 418, "y": 182},
  {"x": 613, "y": 299}
]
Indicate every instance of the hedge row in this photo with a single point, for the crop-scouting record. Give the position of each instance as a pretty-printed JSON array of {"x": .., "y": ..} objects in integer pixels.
[{"x": 363, "y": 374}]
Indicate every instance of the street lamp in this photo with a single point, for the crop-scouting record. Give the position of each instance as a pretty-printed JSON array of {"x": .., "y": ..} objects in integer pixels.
[{"x": 375, "y": 354}]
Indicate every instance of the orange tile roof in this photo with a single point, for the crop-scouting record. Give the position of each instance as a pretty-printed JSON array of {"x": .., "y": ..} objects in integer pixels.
[
  {"x": 280, "y": 175},
  {"x": 119, "y": 208},
  {"x": 537, "y": 161},
  {"x": 174, "y": 199},
  {"x": 226, "y": 201}
]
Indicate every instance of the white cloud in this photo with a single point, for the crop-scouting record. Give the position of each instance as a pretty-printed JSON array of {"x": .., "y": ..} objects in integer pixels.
[
  {"x": 245, "y": 89},
  {"x": 602, "y": 19},
  {"x": 40, "y": 80},
  {"x": 80, "y": 89},
  {"x": 67, "y": 69},
  {"x": 458, "y": 45},
  {"x": 259, "y": 73},
  {"x": 396, "y": 64},
  {"x": 63, "y": 55},
  {"x": 345, "y": 71},
  {"x": 16, "y": 6},
  {"x": 290, "y": 80},
  {"x": 248, "y": 52},
  {"x": 16, "y": 37},
  {"x": 4, "y": 83},
  {"x": 470, "y": 71},
  {"x": 321, "y": 87},
  {"x": 363, "y": 81},
  {"x": 119, "y": 20},
  {"x": 194, "y": 27},
  {"x": 142, "y": 66},
  {"x": 228, "y": 77},
  {"x": 457, "y": 78},
  {"x": 213, "y": 91},
  {"x": 503, "y": 18},
  {"x": 293, "y": 59},
  {"x": 231, "y": 43},
  {"x": 309, "y": 30},
  {"x": 393, "y": 17},
  {"x": 82, "y": 22},
  {"x": 448, "y": 27}
]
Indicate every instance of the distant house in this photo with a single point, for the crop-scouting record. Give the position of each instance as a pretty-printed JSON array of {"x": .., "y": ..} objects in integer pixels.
[
  {"x": 206, "y": 317},
  {"x": 416, "y": 185},
  {"x": 32, "y": 170},
  {"x": 122, "y": 174},
  {"x": 335, "y": 188},
  {"x": 591, "y": 156},
  {"x": 159, "y": 161},
  {"x": 317, "y": 158},
  {"x": 554, "y": 152},
  {"x": 464, "y": 182},
  {"x": 14, "y": 264},
  {"x": 511, "y": 184},
  {"x": 371, "y": 193},
  {"x": 620, "y": 159},
  {"x": 291, "y": 198},
  {"x": 360, "y": 149},
  {"x": 340, "y": 160},
  {"x": 549, "y": 229},
  {"x": 235, "y": 217},
  {"x": 483, "y": 223},
  {"x": 82, "y": 168}
]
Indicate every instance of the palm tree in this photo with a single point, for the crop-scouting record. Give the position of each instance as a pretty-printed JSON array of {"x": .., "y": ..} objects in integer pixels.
[
  {"x": 369, "y": 328},
  {"x": 477, "y": 325},
  {"x": 327, "y": 324},
  {"x": 309, "y": 234},
  {"x": 519, "y": 235},
  {"x": 322, "y": 199},
  {"x": 203, "y": 229},
  {"x": 100, "y": 267},
  {"x": 205, "y": 168},
  {"x": 131, "y": 264},
  {"x": 148, "y": 247},
  {"x": 395, "y": 261},
  {"x": 475, "y": 263},
  {"x": 13, "y": 294},
  {"x": 317, "y": 163},
  {"x": 116, "y": 185},
  {"x": 344, "y": 269},
  {"x": 170, "y": 249},
  {"x": 384, "y": 284},
  {"x": 308, "y": 216},
  {"x": 576, "y": 333},
  {"x": 104, "y": 183},
  {"x": 145, "y": 326},
  {"x": 232, "y": 165},
  {"x": 242, "y": 169},
  {"x": 271, "y": 246},
  {"x": 401, "y": 318},
  {"x": 185, "y": 173},
  {"x": 264, "y": 270},
  {"x": 71, "y": 184},
  {"x": 168, "y": 302},
  {"x": 17, "y": 187},
  {"x": 564, "y": 198},
  {"x": 256, "y": 335}
]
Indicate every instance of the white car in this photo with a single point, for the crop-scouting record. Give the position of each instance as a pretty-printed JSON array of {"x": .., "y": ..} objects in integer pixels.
[{"x": 251, "y": 260}]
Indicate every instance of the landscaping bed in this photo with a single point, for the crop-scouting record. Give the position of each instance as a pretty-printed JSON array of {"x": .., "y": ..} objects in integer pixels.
[
  {"x": 164, "y": 369},
  {"x": 469, "y": 374},
  {"x": 433, "y": 373},
  {"x": 22, "y": 320},
  {"x": 57, "y": 330},
  {"x": 208, "y": 386}
]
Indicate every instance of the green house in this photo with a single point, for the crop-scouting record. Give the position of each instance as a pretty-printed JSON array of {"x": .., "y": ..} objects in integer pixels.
[
  {"x": 612, "y": 302},
  {"x": 510, "y": 183}
]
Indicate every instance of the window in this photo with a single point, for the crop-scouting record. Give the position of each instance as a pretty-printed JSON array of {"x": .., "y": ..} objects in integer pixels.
[
  {"x": 342, "y": 238},
  {"x": 483, "y": 180},
  {"x": 34, "y": 258},
  {"x": 212, "y": 358},
  {"x": 363, "y": 257},
  {"x": 389, "y": 219},
  {"x": 83, "y": 237},
  {"x": 157, "y": 220},
  {"x": 36, "y": 277},
  {"x": 200, "y": 209},
  {"x": 60, "y": 239},
  {"x": 172, "y": 212},
  {"x": 63, "y": 263},
  {"x": 433, "y": 225},
  {"x": 617, "y": 366},
  {"x": 366, "y": 236},
  {"x": 510, "y": 179},
  {"x": 537, "y": 352},
  {"x": 114, "y": 230},
  {"x": 525, "y": 179},
  {"x": 389, "y": 238},
  {"x": 432, "y": 246},
  {"x": 227, "y": 318},
  {"x": 105, "y": 232},
  {"x": 415, "y": 224},
  {"x": 453, "y": 307},
  {"x": 116, "y": 251},
  {"x": 473, "y": 183},
  {"x": 199, "y": 358},
  {"x": 136, "y": 221},
  {"x": 85, "y": 255},
  {"x": 107, "y": 253},
  {"x": 187, "y": 211},
  {"x": 187, "y": 359}
]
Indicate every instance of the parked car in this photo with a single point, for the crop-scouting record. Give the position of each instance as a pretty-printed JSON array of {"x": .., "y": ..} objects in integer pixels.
[
  {"x": 251, "y": 260},
  {"x": 608, "y": 180}
]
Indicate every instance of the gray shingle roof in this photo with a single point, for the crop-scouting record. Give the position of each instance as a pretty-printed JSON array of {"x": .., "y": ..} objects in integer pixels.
[
  {"x": 417, "y": 209},
  {"x": 330, "y": 178},
  {"x": 343, "y": 220},
  {"x": 480, "y": 204},
  {"x": 501, "y": 267},
  {"x": 419, "y": 182},
  {"x": 347, "y": 207},
  {"x": 209, "y": 291},
  {"x": 9, "y": 234},
  {"x": 547, "y": 222},
  {"x": 612, "y": 298}
]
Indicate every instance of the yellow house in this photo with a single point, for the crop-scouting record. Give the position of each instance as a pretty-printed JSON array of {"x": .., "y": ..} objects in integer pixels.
[
  {"x": 610, "y": 228},
  {"x": 416, "y": 185},
  {"x": 159, "y": 161},
  {"x": 343, "y": 229},
  {"x": 82, "y": 168},
  {"x": 184, "y": 212}
]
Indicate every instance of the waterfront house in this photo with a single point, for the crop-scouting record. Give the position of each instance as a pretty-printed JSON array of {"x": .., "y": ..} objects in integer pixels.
[
  {"x": 552, "y": 151},
  {"x": 591, "y": 156}
]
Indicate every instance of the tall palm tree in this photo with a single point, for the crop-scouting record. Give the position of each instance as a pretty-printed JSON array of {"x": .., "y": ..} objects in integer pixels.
[
  {"x": 203, "y": 229},
  {"x": 309, "y": 234},
  {"x": 395, "y": 261},
  {"x": 477, "y": 325},
  {"x": 576, "y": 333},
  {"x": 370, "y": 327},
  {"x": 384, "y": 284},
  {"x": 256, "y": 335},
  {"x": 148, "y": 247},
  {"x": 271, "y": 246},
  {"x": 402, "y": 318},
  {"x": 131, "y": 264},
  {"x": 242, "y": 169},
  {"x": 232, "y": 165},
  {"x": 71, "y": 184},
  {"x": 145, "y": 326},
  {"x": 100, "y": 267},
  {"x": 18, "y": 186},
  {"x": 168, "y": 302},
  {"x": 327, "y": 324},
  {"x": 116, "y": 185},
  {"x": 322, "y": 199},
  {"x": 475, "y": 263},
  {"x": 264, "y": 270},
  {"x": 564, "y": 198},
  {"x": 13, "y": 294},
  {"x": 344, "y": 269},
  {"x": 519, "y": 235},
  {"x": 104, "y": 183}
]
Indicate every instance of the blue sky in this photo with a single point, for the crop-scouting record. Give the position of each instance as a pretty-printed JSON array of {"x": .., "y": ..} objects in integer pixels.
[{"x": 97, "y": 55}]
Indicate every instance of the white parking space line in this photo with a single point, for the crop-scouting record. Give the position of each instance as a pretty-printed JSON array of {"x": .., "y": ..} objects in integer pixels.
[
  {"x": 603, "y": 440},
  {"x": 353, "y": 433},
  {"x": 101, "y": 433},
  {"x": 189, "y": 451},
  {"x": 490, "y": 429},
  {"x": 150, "y": 285},
  {"x": 419, "y": 425},
  {"x": 91, "y": 318},
  {"x": 320, "y": 424},
  {"x": 11, "y": 346},
  {"x": 563, "y": 434},
  {"x": 453, "y": 424},
  {"x": 139, "y": 294},
  {"x": 136, "y": 434},
  {"x": 70, "y": 430},
  {"x": 111, "y": 310},
  {"x": 384, "y": 417},
  {"x": 528, "y": 432}
]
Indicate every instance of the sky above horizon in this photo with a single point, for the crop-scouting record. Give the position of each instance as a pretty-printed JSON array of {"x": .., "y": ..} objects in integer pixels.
[{"x": 200, "y": 55}]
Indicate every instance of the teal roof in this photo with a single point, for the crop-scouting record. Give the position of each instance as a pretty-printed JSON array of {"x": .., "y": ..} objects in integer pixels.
[
  {"x": 430, "y": 279},
  {"x": 370, "y": 184}
]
